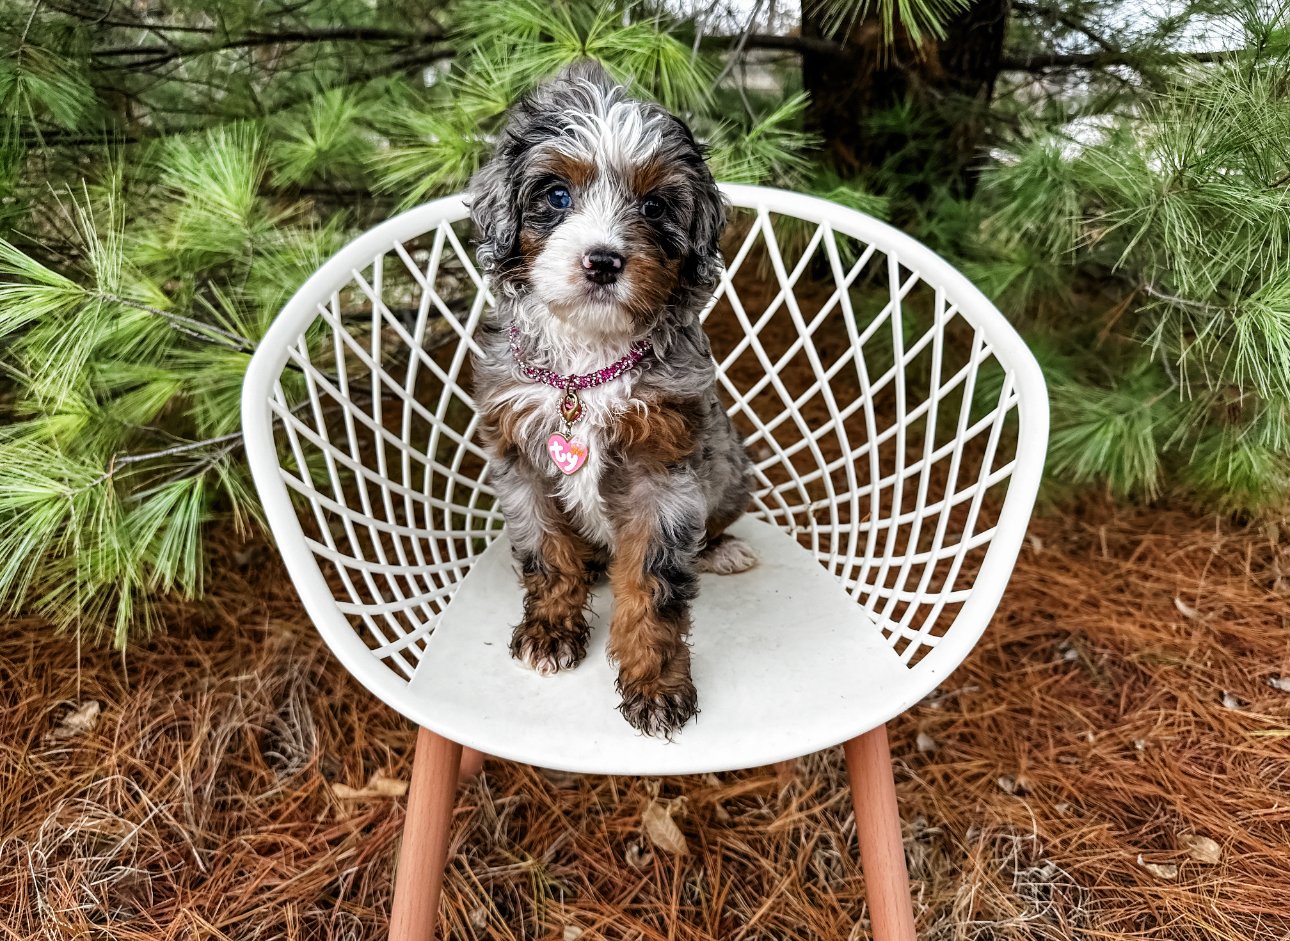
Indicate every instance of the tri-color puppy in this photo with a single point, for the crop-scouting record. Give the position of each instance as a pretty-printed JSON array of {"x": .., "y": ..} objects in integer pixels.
[{"x": 599, "y": 225}]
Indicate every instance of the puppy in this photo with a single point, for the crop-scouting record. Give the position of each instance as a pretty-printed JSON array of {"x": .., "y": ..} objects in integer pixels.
[{"x": 598, "y": 225}]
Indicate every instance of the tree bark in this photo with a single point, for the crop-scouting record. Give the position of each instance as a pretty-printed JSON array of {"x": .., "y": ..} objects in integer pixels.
[{"x": 946, "y": 84}]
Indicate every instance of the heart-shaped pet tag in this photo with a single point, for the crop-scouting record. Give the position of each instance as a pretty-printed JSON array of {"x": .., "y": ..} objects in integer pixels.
[{"x": 567, "y": 455}]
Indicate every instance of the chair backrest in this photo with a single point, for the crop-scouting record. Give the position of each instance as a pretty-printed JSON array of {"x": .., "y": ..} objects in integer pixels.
[{"x": 897, "y": 422}]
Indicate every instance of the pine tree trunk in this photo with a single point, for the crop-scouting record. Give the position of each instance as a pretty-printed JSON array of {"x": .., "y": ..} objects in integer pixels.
[
  {"x": 970, "y": 57},
  {"x": 947, "y": 84}
]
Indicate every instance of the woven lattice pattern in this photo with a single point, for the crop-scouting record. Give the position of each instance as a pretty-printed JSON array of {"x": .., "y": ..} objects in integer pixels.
[
  {"x": 380, "y": 443},
  {"x": 878, "y": 419},
  {"x": 881, "y": 423}
]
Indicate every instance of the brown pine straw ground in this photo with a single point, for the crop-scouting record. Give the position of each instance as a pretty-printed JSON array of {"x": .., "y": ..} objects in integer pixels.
[{"x": 1112, "y": 762}]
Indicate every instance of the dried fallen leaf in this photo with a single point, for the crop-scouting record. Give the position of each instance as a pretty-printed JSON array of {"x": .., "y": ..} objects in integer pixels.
[
  {"x": 572, "y": 933},
  {"x": 1010, "y": 785},
  {"x": 637, "y": 858},
  {"x": 347, "y": 793},
  {"x": 377, "y": 786},
  {"x": 387, "y": 787},
  {"x": 1280, "y": 682},
  {"x": 1203, "y": 849},
  {"x": 1185, "y": 609},
  {"x": 1159, "y": 870},
  {"x": 925, "y": 743},
  {"x": 77, "y": 722},
  {"x": 662, "y": 830}
]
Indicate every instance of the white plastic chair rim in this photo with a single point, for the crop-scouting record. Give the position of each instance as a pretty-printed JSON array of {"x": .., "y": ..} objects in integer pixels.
[{"x": 1007, "y": 346}]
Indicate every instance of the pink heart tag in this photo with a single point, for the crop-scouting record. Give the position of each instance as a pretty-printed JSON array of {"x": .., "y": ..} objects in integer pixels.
[{"x": 567, "y": 455}]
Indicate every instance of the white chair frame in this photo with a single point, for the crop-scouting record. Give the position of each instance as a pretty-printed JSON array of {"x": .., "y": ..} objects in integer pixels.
[{"x": 368, "y": 488}]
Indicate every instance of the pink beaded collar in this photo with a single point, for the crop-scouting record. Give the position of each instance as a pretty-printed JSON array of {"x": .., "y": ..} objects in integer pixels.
[
  {"x": 569, "y": 454},
  {"x": 589, "y": 380}
]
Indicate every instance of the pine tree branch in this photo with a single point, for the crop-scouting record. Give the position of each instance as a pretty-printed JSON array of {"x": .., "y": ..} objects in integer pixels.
[
  {"x": 195, "y": 328},
  {"x": 26, "y": 30},
  {"x": 230, "y": 442},
  {"x": 161, "y": 55},
  {"x": 417, "y": 60},
  {"x": 789, "y": 43},
  {"x": 1045, "y": 61},
  {"x": 1181, "y": 301},
  {"x": 1110, "y": 56},
  {"x": 1065, "y": 19},
  {"x": 122, "y": 460},
  {"x": 796, "y": 44},
  {"x": 104, "y": 18},
  {"x": 737, "y": 55}
]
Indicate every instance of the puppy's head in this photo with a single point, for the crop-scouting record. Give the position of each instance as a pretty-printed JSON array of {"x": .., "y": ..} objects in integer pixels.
[{"x": 599, "y": 205}]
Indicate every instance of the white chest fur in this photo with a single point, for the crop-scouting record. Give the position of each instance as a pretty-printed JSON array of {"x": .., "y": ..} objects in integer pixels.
[{"x": 580, "y": 493}]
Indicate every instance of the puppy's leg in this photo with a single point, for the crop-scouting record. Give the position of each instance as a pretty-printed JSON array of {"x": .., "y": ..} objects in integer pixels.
[
  {"x": 553, "y": 633},
  {"x": 654, "y": 579},
  {"x": 728, "y": 482},
  {"x": 553, "y": 561},
  {"x": 726, "y": 555}
]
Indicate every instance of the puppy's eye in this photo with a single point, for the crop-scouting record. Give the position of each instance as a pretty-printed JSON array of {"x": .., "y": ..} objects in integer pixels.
[
  {"x": 652, "y": 207},
  {"x": 559, "y": 198}
]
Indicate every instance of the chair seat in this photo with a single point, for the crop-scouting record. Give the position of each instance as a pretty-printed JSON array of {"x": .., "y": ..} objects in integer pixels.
[{"x": 785, "y": 661}]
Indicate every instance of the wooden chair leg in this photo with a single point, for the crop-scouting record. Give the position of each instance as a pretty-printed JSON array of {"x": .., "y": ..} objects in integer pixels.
[
  {"x": 882, "y": 853},
  {"x": 472, "y": 763},
  {"x": 424, "y": 852}
]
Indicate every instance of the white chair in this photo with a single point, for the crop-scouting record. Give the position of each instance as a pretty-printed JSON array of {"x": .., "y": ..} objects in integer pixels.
[{"x": 898, "y": 426}]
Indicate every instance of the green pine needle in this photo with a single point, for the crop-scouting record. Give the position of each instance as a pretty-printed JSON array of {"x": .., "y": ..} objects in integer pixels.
[
  {"x": 1111, "y": 436},
  {"x": 39, "y": 86},
  {"x": 433, "y": 152},
  {"x": 329, "y": 143},
  {"x": 770, "y": 148},
  {"x": 915, "y": 17},
  {"x": 155, "y": 217},
  {"x": 166, "y": 523}
]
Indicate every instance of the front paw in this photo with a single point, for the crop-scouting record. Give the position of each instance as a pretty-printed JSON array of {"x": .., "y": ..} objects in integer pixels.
[
  {"x": 659, "y": 708},
  {"x": 550, "y": 647}
]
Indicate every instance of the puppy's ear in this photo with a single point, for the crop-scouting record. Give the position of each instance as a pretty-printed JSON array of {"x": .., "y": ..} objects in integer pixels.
[
  {"x": 703, "y": 266},
  {"x": 706, "y": 229},
  {"x": 495, "y": 191},
  {"x": 493, "y": 210}
]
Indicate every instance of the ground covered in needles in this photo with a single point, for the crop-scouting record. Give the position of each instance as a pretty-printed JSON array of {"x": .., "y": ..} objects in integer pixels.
[{"x": 1110, "y": 762}]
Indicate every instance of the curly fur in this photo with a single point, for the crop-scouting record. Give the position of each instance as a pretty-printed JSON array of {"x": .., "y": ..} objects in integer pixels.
[{"x": 666, "y": 473}]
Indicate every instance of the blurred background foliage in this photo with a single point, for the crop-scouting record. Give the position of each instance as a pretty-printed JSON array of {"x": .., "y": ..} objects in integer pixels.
[{"x": 1116, "y": 175}]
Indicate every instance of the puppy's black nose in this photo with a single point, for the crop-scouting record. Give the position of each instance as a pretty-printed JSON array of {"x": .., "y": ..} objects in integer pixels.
[{"x": 602, "y": 265}]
